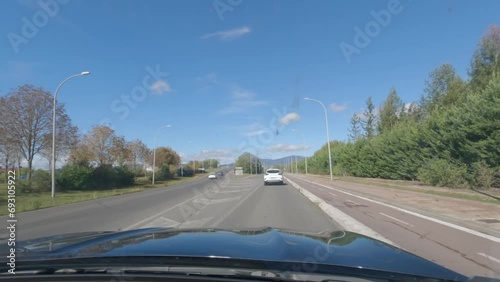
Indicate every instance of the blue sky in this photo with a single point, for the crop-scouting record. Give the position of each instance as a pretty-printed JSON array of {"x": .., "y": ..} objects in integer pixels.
[{"x": 223, "y": 73}]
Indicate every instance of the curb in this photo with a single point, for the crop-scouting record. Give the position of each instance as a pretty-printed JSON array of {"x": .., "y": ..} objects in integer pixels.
[{"x": 345, "y": 221}]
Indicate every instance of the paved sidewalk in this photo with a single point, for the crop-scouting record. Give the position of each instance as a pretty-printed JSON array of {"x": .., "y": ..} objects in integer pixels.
[{"x": 479, "y": 216}]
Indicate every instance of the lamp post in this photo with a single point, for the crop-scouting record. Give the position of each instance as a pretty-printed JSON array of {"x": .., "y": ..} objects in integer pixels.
[
  {"x": 303, "y": 141},
  {"x": 327, "y": 136},
  {"x": 154, "y": 152},
  {"x": 53, "y": 169}
]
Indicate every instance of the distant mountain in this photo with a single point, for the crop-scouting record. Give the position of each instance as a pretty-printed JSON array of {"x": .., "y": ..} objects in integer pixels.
[{"x": 280, "y": 161}]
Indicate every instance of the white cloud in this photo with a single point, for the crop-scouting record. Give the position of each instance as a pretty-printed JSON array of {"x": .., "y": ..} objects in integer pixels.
[
  {"x": 160, "y": 87},
  {"x": 338, "y": 108},
  {"x": 286, "y": 148},
  {"x": 243, "y": 94},
  {"x": 224, "y": 156},
  {"x": 291, "y": 117},
  {"x": 228, "y": 35}
]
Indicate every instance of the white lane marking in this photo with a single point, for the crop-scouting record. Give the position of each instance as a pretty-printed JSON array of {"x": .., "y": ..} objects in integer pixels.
[
  {"x": 347, "y": 222},
  {"x": 398, "y": 220},
  {"x": 164, "y": 211},
  {"x": 219, "y": 201},
  {"x": 353, "y": 202},
  {"x": 228, "y": 212},
  {"x": 332, "y": 194},
  {"x": 489, "y": 257},
  {"x": 458, "y": 227}
]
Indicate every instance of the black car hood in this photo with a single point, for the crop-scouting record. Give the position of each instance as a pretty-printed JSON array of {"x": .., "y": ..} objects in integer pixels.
[{"x": 337, "y": 248}]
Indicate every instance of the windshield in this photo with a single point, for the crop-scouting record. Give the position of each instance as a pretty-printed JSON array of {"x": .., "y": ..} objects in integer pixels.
[{"x": 378, "y": 118}]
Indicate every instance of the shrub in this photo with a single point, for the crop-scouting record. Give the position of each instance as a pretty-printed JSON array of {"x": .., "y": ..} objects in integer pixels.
[
  {"x": 41, "y": 181},
  {"x": 443, "y": 173},
  {"x": 123, "y": 177},
  {"x": 186, "y": 171},
  {"x": 484, "y": 176},
  {"x": 74, "y": 177},
  {"x": 104, "y": 177}
]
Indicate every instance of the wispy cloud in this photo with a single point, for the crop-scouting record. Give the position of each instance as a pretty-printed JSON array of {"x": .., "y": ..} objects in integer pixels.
[
  {"x": 242, "y": 101},
  {"x": 287, "y": 148},
  {"x": 160, "y": 87},
  {"x": 228, "y": 35},
  {"x": 338, "y": 108},
  {"x": 291, "y": 117}
]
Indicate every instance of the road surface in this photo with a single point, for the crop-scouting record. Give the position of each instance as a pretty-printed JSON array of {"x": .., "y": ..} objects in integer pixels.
[
  {"x": 242, "y": 202},
  {"x": 230, "y": 202}
]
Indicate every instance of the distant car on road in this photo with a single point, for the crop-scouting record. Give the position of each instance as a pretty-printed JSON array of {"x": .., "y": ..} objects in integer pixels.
[
  {"x": 212, "y": 176},
  {"x": 273, "y": 175}
]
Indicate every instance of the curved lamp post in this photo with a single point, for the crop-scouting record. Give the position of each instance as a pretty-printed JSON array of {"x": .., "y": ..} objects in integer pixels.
[
  {"x": 53, "y": 167},
  {"x": 327, "y": 135}
]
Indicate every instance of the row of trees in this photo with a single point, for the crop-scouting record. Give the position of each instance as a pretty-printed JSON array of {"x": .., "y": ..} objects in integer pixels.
[
  {"x": 98, "y": 159},
  {"x": 250, "y": 163},
  {"x": 451, "y": 137}
]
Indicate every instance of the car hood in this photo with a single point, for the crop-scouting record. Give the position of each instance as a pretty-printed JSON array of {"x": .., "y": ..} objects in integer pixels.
[{"x": 267, "y": 244}]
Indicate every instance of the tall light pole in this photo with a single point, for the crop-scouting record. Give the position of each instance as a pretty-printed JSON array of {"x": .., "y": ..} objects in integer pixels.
[
  {"x": 327, "y": 136},
  {"x": 303, "y": 141},
  {"x": 154, "y": 152},
  {"x": 53, "y": 170}
]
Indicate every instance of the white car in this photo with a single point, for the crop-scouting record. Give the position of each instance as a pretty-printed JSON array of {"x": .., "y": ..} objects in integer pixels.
[
  {"x": 273, "y": 175},
  {"x": 212, "y": 176}
]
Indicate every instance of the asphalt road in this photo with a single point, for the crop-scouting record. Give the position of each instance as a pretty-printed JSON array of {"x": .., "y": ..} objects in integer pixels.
[
  {"x": 243, "y": 202},
  {"x": 231, "y": 202},
  {"x": 461, "y": 250}
]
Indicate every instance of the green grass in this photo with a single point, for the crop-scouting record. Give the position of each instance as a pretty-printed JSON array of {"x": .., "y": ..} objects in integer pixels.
[
  {"x": 464, "y": 194},
  {"x": 34, "y": 201}
]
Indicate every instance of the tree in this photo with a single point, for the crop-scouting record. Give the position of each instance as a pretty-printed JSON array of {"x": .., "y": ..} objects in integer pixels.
[
  {"x": 369, "y": 119},
  {"x": 355, "y": 130},
  {"x": 27, "y": 119},
  {"x": 443, "y": 87},
  {"x": 250, "y": 163},
  {"x": 166, "y": 156},
  {"x": 390, "y": 112},
  {"x": 101, "y": 146},
  {"x": 140, "y": 154},
  {"x": 486, "y": 59}
]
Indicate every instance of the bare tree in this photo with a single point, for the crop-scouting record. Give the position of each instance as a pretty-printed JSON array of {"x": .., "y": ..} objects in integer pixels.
[
  {"x": 27, "y": 120},
  {"x": 139, "y": 153}
]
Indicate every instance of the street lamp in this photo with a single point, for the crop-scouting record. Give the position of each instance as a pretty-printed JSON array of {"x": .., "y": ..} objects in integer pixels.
[
  {"x": 154, "y": 151},
  {"x": 304, "y": 141},
  {"x": 54, "y": 131},
  {"x": 327, "y": 135}
]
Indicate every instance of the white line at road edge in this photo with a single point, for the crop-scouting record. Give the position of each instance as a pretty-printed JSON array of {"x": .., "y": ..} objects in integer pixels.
[
  {"x": 393, "y": 218},
  {"x": 458, "y": 227},
  {"x": 489, "y": 257},
  {"x": 346, "y": 221}
]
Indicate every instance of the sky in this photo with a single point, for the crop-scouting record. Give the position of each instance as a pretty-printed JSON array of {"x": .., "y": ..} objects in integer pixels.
[{"x": 231, "y": 75}]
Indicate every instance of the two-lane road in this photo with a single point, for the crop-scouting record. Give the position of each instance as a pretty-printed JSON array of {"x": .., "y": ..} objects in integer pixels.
[{"x": 230, "y": 202}]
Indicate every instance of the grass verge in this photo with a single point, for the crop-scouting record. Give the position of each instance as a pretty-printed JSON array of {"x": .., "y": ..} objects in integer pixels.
[
  {"x": 34, "y": 201},
  {"x": 464, "y": 194}
]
